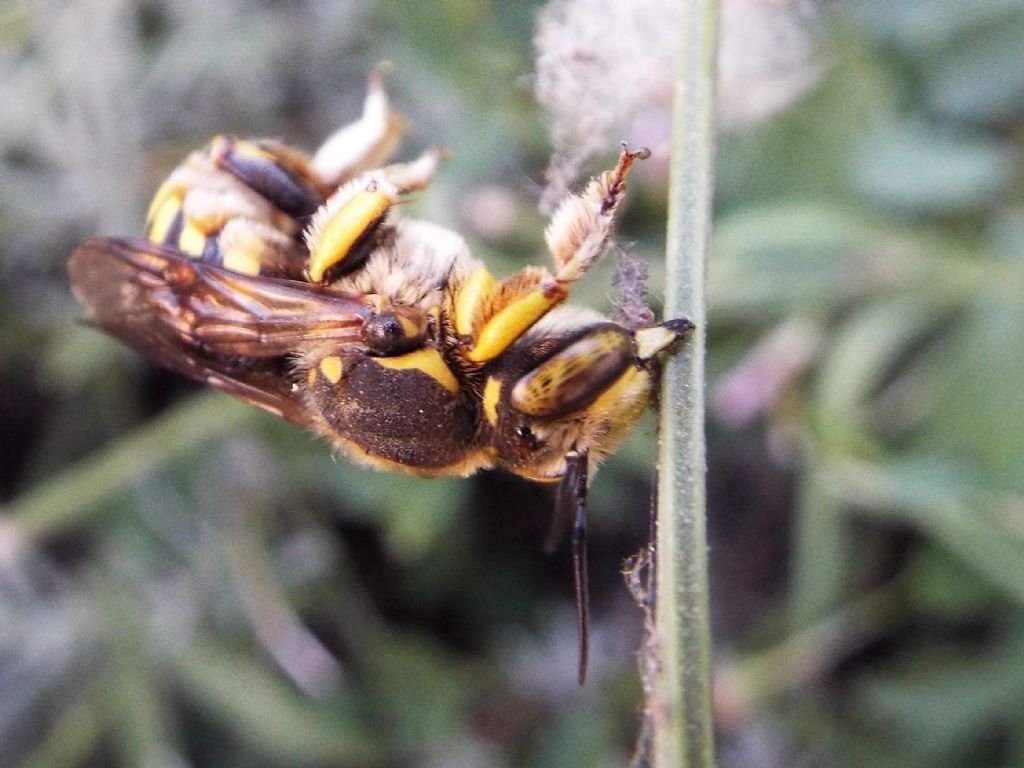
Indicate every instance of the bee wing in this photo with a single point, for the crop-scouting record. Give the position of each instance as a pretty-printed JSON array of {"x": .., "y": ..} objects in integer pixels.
[
  {"x": 228, "y": 330},
  {"x": 131, "y": 281}
]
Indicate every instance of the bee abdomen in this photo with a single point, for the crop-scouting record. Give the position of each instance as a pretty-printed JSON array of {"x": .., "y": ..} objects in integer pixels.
[{"x": 406, "y": 410}]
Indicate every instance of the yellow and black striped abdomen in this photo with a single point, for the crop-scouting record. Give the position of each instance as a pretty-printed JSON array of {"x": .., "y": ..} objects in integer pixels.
[{"x": 239, "y": 205}]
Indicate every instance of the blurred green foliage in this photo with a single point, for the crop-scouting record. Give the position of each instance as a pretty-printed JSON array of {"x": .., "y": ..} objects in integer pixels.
[{"x": 184, "y": 581}]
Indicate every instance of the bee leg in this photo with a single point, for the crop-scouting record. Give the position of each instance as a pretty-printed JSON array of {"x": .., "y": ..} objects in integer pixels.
[
  {"x": 581, "y": 226},
  {"x": 411, "y": 176},
  {"x": 493, "y": 315},
  {"x": 341, "y": 234},
  {"x": 364, "y": 144},
  {"x": 572, "y": 504}
]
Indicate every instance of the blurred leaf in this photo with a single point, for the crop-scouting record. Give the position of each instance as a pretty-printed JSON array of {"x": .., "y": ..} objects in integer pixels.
[
  {"x": 136, "y": 712},
  {"x": 47, "y": 645},
  {"x": 860, "y": 355},
  {"x": 413, "y": 513},
  {"x": 921, "y": 168},
  {"x": 76, "y": 356},
  {"x": 70, "y": 740},
  {"x": 980, "y": 78},
  {"x": 580, "y": 737},
  {"x": 939, "y": 586},
  {"x": 945, "y": 703},
  {"x": 68, "y": 498},
  {"x": 821, "y": 571},
  {"x": 426, "y": 693},
  {"x": 932, "y": 495},
  {"x": 803, "y": 152},
  {"x": 923, "y": 25},
  {"x": 979, "y": 416},
  {"x": 263, "y": 713},
  {"x": 809, "y": 257}
]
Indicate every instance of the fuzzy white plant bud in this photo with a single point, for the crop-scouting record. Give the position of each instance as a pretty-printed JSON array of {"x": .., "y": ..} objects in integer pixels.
[{"x": 606, "y": 69}]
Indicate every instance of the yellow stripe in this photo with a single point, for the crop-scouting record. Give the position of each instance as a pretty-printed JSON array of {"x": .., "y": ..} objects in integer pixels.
[
  {"x": 251, "y": 148},
  {"x": 165, "y": 190},
  {"x": 573, "y": 374},
  {"x": 472, "y": 294},
  {"x": 624, "y": 401},
  {"x": 161, "y": 217},
  {"x": 429, "y": 361},
  {"x": 243, "y": 260},
  {"x": 192, "y": 240},
  {"x": 508, "y": 325},
  {"x": 492, "y": 390},
  {"x": 340, "y": 233},
  {"x": 330, "y": 367}
]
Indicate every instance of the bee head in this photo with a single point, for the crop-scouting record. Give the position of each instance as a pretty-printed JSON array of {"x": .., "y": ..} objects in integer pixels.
[{"x": 575, "y": 382}]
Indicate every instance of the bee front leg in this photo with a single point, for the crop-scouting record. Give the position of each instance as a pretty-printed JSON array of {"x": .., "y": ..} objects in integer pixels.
[
  {"x": 492, "y": 315},
  {"x": 582, "y": 225}
]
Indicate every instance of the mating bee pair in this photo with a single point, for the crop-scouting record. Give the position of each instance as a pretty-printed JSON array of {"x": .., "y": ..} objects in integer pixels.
[{"x": 279, "y": 278}]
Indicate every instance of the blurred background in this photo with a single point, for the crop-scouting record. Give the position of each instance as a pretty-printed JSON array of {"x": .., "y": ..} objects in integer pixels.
[{"x": 185, "y": 581}]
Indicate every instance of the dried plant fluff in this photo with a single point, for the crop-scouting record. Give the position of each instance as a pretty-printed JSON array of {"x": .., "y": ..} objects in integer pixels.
[{"x": 605, "y": 71}]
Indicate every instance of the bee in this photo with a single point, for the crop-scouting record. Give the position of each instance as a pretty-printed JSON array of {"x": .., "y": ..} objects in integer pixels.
[{"x": 283, "y": 279}]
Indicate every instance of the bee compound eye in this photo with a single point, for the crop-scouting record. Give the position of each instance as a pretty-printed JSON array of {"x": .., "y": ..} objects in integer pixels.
[
  {"x": 527, "y": 437},
  {"x": 382, "y": 331},
  {"x": 389, "y": 332}
]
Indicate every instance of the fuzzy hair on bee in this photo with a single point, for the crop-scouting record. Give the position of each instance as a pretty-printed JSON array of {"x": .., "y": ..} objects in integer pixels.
[{"x": 286, "y": 280}]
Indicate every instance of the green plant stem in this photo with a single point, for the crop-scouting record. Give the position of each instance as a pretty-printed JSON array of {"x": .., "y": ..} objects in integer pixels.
[
  {"x": 71, "y": 496},
  {"x": 683, "y": 732}
]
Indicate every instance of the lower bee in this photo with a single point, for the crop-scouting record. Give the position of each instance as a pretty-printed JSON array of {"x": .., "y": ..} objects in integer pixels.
[{"x": 280, "y": 278}]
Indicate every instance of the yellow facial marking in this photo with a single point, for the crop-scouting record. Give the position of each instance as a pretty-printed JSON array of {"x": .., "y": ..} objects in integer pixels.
[
  {"x": 471, "y": 296},
  {"x": 508, "y": 324},
  {"x": 409, "y": 328},
  {"x": 492, "y": 390},
  {"x": 342, "y": 231},
  {"x": 427, "y": 360},
  {"x": 311, "y": 377},
  {"x": 330, "y": 367},
  {"x": 651, "y": 341},
  {"x": 192, "y": 239}
]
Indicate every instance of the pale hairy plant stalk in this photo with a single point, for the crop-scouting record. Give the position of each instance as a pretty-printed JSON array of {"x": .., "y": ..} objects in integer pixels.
[{"x": 680, "y": 714}]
